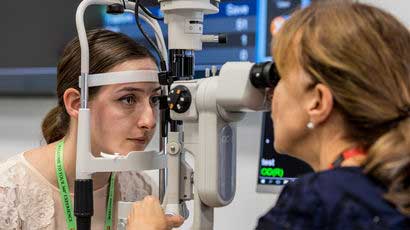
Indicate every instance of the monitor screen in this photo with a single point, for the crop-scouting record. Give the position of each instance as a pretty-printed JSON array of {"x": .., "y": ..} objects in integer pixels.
[
  {"x": 270, "y": 16},
  {"x": 35, "y": 35},
  {"x": 236, "y": 19}
]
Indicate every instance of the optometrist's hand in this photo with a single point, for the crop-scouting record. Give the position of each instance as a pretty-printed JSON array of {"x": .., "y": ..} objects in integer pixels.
[{"x": 148, "y": 215}]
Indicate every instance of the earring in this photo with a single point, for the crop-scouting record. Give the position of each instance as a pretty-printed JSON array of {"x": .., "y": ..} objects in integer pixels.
[{"x": 310, "y": 125}]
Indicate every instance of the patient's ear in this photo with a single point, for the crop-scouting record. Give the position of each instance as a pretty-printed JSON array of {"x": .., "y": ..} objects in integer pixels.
[
  {"x": 72, "y": 100},
  {"x": 320, "y": 104}
]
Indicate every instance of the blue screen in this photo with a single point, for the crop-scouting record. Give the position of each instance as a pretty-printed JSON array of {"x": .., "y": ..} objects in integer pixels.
[
  {"x": 235, "y": 18},
  {"x": 36, "y": 35},
  {"x": 246, "y": 22}
]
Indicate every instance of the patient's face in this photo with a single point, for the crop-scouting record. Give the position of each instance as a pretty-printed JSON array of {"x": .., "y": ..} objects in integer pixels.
[
  {"x": 289, "y": 114},
  {"x": 124, "y": 116}
]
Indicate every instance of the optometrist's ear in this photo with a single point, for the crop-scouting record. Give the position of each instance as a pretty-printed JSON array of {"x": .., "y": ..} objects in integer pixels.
[
  {"x": 72, "y": 101},
  {"x": 320, "y": 104}
]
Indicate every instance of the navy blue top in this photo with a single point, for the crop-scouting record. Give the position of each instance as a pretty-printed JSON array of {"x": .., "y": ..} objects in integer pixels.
[{"x": 341, "y": 198}]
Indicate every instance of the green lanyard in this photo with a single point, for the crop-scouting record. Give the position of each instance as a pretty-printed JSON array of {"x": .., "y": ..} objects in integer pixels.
[{"x": 65, "y": 192}]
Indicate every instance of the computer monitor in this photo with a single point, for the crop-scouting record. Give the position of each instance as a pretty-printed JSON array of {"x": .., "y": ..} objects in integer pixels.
[
  {"x": 236, "y": 19},
  {"x": 270, "y": 16},
  {"x": 32, "y": 42},
  {"x": 34, "y": 36}
]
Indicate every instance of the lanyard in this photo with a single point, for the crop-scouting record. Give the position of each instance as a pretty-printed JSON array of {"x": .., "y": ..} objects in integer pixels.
[
  {"x": 346, "y": 155},
  {"x": 65, "y": 192}
]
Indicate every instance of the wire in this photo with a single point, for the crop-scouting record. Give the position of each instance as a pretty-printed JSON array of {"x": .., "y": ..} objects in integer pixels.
[
  {"x": 154, "y": 25},
  {"x": 150, "y": 14},
  {"x": 158, "y": 33},
  {"x": 136, "y": 14}
]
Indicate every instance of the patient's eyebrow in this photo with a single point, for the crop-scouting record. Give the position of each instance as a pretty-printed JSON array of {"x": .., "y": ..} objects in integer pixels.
[
  {"x": 130, "y": 89},
  {"x": 156, "y": 89},
  {"x": 136, "y": 89}
]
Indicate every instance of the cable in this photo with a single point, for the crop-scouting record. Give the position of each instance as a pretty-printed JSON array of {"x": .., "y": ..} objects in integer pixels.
[
  {"x": 136, "y": 14},
  {"x": 154, "y": 25},
  {"x": 150, "y": 14},
  {"x": 158, "y": 33}
]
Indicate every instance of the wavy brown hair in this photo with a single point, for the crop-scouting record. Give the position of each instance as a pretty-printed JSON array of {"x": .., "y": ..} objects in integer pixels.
[
  {"x": 107, "y": 49},
  {"x": 363, "y": 55}
]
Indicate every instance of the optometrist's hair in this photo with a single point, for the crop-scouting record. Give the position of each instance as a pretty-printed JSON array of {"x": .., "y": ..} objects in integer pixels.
[
  {"x": 363, "y": 55},
  {"x": 107, "y": 49}
]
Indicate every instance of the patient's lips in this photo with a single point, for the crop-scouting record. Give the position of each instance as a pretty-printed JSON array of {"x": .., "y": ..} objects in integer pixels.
[{"x": 138, "y": 141}]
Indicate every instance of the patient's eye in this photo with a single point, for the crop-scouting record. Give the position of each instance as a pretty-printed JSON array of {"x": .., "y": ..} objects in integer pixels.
[
  {"x": 154, "y": 100},
  {"x": 128, "y": 99}
]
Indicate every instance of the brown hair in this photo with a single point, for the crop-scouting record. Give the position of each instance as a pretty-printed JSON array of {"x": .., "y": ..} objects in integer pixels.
[
  {"x": 362, "y": 54},
  {"x": 107, "y": 49}
]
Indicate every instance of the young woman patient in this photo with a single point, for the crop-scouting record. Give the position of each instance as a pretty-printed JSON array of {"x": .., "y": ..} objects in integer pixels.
[{"x": 123, "y": 119}]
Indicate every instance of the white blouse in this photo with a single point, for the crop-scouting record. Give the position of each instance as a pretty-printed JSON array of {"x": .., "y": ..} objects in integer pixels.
[{"x": 29, "y": 201}]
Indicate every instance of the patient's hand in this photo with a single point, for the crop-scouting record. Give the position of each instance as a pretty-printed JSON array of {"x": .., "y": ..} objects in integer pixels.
[{"x": 148, "y": 215}]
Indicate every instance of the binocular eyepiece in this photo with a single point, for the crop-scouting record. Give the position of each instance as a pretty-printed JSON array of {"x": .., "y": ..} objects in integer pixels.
[{"x": 264, "y": 75}]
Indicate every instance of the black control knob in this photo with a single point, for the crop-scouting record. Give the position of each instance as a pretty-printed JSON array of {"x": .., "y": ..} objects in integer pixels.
[{"x": 179, "y": 99}]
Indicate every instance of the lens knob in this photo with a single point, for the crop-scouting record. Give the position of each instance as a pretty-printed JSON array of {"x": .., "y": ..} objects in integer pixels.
[{"x": 179, "y": 99}]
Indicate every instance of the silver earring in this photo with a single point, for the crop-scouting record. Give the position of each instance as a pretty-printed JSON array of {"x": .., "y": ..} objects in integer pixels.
[{"x": 310, "y": 125}]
